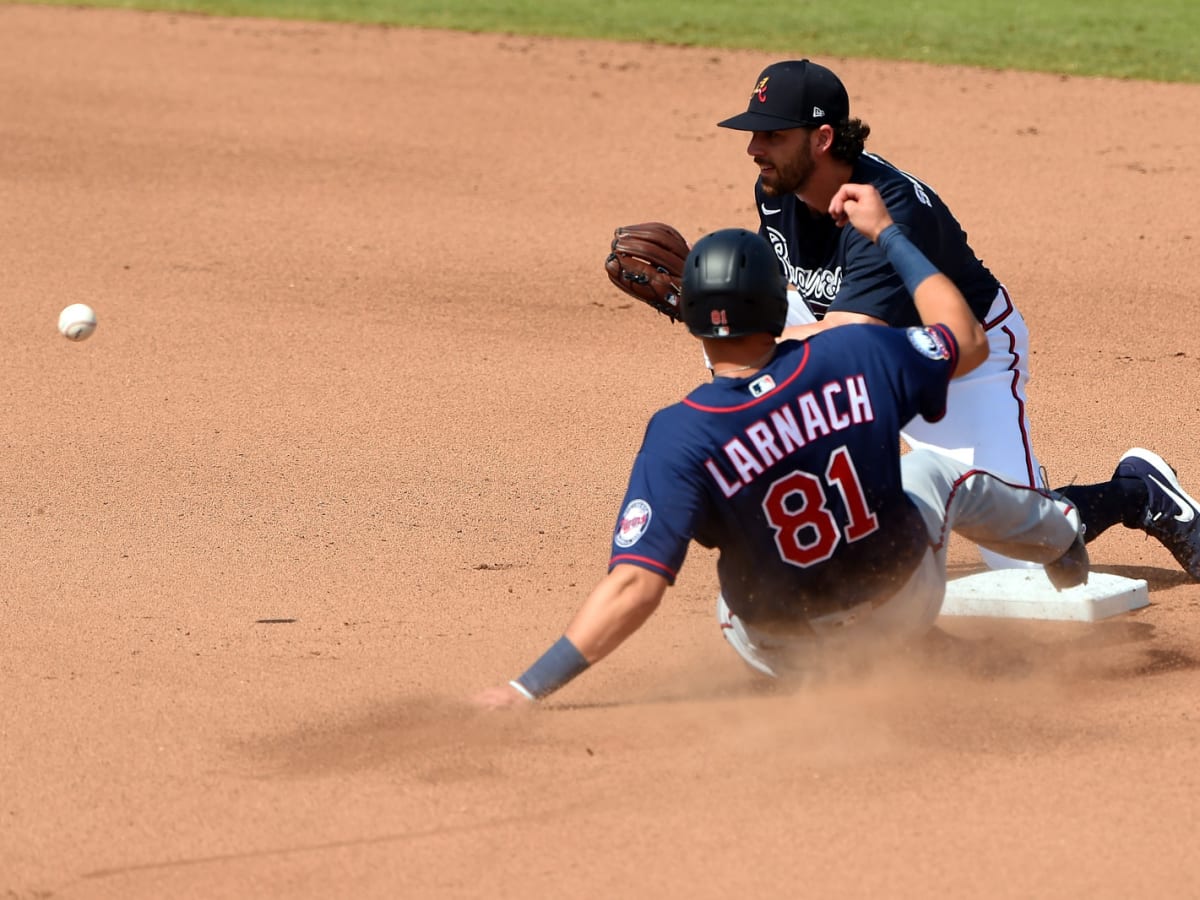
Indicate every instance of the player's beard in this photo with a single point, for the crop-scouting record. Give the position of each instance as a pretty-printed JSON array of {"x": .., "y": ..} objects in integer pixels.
[{"x": 790, "y": 176}]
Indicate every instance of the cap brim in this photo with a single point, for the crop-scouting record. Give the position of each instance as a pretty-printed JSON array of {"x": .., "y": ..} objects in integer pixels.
[{"x": 755, "y": 121}]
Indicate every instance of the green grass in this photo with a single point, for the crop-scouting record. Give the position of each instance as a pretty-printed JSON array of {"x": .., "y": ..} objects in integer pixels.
[{"x": 1145, "y": 39}]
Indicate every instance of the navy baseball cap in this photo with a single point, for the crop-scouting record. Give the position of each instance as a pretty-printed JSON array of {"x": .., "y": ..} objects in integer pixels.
[{"x": 797, "y": 93}]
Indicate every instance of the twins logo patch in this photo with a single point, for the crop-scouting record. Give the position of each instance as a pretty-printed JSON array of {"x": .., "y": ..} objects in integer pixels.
[
  {"x": 634, "y": 521},
  {"x": 929, "y": 342}
]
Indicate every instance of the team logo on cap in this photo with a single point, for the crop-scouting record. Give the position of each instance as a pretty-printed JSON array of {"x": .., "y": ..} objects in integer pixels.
[
  {"x": 929, "y": 342},
  {"x": 760, "y": 90},
  {"x": 633, "y": 523}
]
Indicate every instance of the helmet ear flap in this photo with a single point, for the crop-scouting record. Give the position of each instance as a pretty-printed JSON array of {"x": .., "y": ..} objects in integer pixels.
[{"x": 733, "y": 286}]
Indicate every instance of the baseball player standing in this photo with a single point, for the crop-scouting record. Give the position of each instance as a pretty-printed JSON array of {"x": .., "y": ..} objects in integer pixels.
[
  {"x": 806, "y": 146},
  {"x": 789, "y": 464}
]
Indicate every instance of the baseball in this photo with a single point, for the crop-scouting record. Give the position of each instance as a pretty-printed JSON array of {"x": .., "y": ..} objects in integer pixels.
[{"x": 77, "y": 322}]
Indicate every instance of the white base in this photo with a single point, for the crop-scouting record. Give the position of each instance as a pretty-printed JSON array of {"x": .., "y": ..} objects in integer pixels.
[{"x": 1028, "y": 594}]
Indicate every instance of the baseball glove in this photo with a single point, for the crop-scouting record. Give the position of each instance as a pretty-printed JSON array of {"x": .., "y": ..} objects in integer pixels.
[{"x": 646, "y": 262}]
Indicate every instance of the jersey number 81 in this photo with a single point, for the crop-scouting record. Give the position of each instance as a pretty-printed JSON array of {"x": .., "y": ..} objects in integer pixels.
[{"x": 796, "y": 506}]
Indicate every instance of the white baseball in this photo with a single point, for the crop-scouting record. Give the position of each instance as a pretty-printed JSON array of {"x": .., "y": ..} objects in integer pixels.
[{"x": 77, "y": 322}]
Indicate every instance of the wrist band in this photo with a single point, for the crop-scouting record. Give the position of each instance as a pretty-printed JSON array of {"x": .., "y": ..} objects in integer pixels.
[
  {"x": 520, "y": 689},
  {"x": 556, "y": 667},
  {"x": 909, "y": 262}
]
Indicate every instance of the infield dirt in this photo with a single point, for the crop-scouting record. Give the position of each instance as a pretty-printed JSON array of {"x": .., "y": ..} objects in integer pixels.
[{"x": 349, "y": 441}]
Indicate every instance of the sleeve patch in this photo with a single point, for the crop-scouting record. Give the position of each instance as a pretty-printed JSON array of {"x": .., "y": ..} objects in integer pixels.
[
  {"x": 929, "y": 342},
  {"x": 634, "y": 521}
]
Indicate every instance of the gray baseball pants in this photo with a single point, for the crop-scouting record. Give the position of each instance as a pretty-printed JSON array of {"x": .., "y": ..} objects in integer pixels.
[{"x": 1008, "y": 519}]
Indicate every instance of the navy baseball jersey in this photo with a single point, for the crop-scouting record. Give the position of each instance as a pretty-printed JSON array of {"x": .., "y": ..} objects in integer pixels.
[
  {"x": 793, "y": 474},
  {"x": 836, "y": 268}
]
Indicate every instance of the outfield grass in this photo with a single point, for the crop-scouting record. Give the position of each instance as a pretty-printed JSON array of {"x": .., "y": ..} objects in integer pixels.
[{"x": 1152, "y": 39}]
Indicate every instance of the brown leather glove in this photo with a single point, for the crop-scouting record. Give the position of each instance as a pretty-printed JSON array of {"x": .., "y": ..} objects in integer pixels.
[{"x": 646, "y": 262}]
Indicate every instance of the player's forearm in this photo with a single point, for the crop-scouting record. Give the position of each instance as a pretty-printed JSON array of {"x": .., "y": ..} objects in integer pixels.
[
  {"x": 802, "y": 332},
  {"x": 832, "y": 320},
  {"x": 616, "y": 608},
  {"x": 939, "y": 301}
]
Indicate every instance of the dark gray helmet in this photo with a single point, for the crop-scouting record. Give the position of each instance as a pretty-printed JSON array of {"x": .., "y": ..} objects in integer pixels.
[{"x": 733, "y": 286}]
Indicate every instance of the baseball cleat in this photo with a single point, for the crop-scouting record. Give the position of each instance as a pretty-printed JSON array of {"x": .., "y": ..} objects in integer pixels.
[
  {"x": 1071, "y": 569},
  {"x": 1170, "y": 515}
]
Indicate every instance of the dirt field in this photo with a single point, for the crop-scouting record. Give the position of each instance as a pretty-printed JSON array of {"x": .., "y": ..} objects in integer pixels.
[{"x": 349, "y": 441}]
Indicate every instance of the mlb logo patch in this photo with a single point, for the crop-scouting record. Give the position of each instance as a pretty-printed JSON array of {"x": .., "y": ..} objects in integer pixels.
[{"x": 763, "y": 385}]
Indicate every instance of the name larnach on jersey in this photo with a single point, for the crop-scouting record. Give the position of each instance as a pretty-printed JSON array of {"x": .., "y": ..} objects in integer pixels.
[{"x": 823, "y": 411}]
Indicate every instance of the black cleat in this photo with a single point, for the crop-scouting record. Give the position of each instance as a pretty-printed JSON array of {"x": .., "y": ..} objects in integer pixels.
[{"x": 1170, "y": 516}]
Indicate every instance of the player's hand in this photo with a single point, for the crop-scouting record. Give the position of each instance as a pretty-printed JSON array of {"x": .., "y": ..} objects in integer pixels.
[
  {"x": 861, "y": 206},
  {"x": 502, "y": 696}
]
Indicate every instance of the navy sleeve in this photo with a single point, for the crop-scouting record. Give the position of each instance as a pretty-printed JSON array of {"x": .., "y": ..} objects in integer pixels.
[
  {"x": 923, "y": 360},
  {"x": 663, "y": 502},
  {"x": 870, "y": 285}
]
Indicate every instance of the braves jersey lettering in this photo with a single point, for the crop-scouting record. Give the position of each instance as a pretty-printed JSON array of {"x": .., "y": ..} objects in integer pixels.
[
  {"x": 818, "y": 286},
  {"x": 824, "y": 411}
]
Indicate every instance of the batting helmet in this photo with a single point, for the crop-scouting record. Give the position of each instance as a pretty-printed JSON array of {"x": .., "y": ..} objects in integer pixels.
[{"x": 733, "y": 286}]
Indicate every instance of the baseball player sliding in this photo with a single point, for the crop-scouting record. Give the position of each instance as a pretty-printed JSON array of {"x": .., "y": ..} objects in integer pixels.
[
  {"x": 788, "y": 463},
  {"x": 806, "y": 145}
]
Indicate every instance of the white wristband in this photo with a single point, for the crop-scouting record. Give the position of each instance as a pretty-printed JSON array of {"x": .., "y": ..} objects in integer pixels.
[{"x": 520, "y": 689}]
